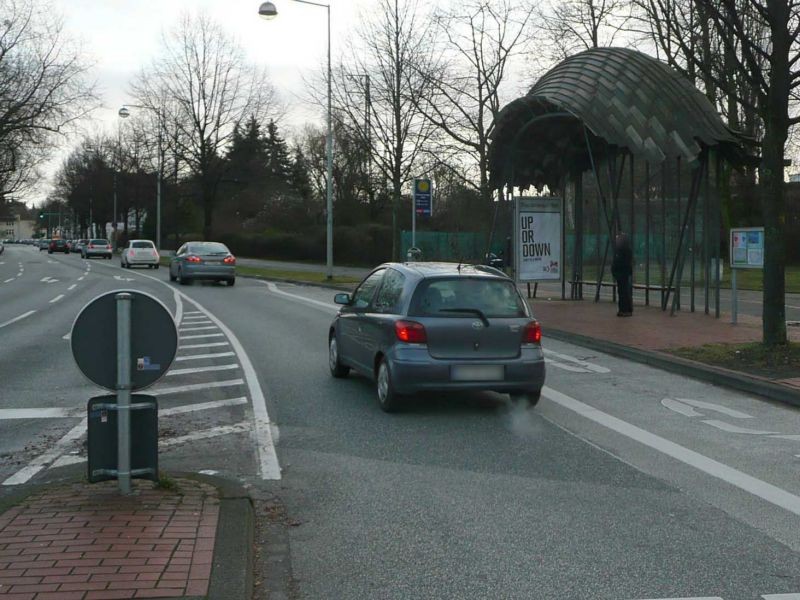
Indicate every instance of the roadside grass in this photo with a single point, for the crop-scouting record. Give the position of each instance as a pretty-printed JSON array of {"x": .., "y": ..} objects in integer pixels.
[
  {"x": 746, "y": 279},
  {"x": 776, "y": 362},
  {"x": 278, "y": 274}
]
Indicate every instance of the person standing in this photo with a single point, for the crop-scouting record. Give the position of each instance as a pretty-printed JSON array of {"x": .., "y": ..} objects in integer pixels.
[{"x": 622, "y": 271}]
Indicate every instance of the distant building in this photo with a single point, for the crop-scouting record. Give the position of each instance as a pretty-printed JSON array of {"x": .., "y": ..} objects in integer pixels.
[{"x": 15, "y": 228}]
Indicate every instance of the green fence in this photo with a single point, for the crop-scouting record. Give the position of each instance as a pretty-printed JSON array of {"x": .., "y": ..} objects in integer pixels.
[{"x": 450, "y": 246}]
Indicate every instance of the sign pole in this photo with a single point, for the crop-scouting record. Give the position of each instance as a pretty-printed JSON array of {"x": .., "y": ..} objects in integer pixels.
[
  {"x": 414, "y": 219},
  {"x": 734, "y": 298},
  {"x": 124, "y": 392}
]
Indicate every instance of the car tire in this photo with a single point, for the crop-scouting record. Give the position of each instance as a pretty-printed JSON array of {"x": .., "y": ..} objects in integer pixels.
[
  {"x": 171, "y": 276},
  {"x": 231, "y": 282},
  {"x": 156, "y": 266},
  {"x": 526, "y": 399},
  {"x": 183, "y": 280},
  {"x": 49, "y": 251},
  {"x": 388, "y": 398},
  {"x": 338, "y": 370}
]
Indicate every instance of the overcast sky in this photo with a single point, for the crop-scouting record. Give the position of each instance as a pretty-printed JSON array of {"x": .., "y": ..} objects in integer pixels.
[{"x": 122, "y": 36}]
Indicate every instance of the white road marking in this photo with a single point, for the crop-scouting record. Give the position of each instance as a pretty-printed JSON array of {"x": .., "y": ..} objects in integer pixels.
[
  {"x": 198, "y": 328},
  {"x": 67, "y": 459},
  {"x": 48, "y": 280},
  {"x": 56, "y": 299},
  {"x": 728, "y": 412},
  {"x": 81, "y": 278},
  {"x": 67, "y": 336},
  {"x": 209, "y": 345},
  {"x": 200, "y": 356},
  {"x": 38, "y": 413},
  {"x": 8, "y": 280},
  {"x": 44, "y": 460},
  {"x": 680, "y": 407},
  {"x": 205, "y": 434},
  {"x": 781, "y": 596},
  {"x": 193, "y": 312},
  {"x": 192, "y": 323},
  {"x": 179, "y": 389},
  {"x": 766, "y": 491},
  {"x": 692, "y": 598},
  {"x": 208, "y": 472},
  {"x": 274, "y": 289},
  {"x": 19, "y": 318},
  {"x": 794, "y": 438},
  {"x": 72, "y": 287},
  {"x": 581, "y": 363},
  {"x": 566, "y": 367},
  {"x": 118, "y": 278},
  {"x": 201, "y": 317},
  {"x": 173, "y": 372},
  {"x": 734, "y": 429},
  {"x": 187, "y": 408},
  {"x": 203, "y": 335}
]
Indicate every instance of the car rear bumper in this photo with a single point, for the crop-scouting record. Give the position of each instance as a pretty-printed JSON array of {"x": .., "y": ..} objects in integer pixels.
[
  {"x": 141, "y": 261},
  {"x": 208, "y": 271},
  {"x": 94, "y": 252},
  {"x": 414, "y": 370}
]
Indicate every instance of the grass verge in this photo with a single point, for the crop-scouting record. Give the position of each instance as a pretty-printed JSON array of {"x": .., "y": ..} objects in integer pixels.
[
  {"x": 779, "y": 362},
  {"x": 301, "y": 276}
]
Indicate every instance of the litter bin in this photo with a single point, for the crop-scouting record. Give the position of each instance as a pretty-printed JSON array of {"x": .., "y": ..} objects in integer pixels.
[{"x": 414, "y": 254}]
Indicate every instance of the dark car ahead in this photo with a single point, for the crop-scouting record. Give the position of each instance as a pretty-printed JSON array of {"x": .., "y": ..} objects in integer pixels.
[
  {"x": 58, "y": 246},
  {"x": 418, "y": 327},
  {"x": 203, "y": 260}
]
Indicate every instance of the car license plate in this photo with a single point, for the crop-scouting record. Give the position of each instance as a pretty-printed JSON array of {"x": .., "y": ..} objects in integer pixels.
[{"x": 477, "y": 373}]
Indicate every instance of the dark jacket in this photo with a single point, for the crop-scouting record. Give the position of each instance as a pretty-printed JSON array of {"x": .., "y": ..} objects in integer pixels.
[{"x": 622, "y": 265}]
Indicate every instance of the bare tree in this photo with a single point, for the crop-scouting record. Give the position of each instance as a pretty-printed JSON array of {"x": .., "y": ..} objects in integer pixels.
[
  {"x": 202, "y": 86},
  {"x": 43, "y": 88},
  {"x": 575, "y": 25},
  {"x": 383, "y": 57},
  {"x": 463, "y": 76}
]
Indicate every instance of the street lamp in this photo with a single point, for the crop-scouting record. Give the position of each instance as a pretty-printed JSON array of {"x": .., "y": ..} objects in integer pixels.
[
  {"x": 267, "y": 10},
  {"x": 125, "y": 113}
]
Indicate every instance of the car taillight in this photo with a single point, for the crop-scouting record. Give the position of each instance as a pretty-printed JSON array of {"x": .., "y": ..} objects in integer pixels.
[
  {"x": 193, "y": 259},
  {"x": 229, "y": 260},
  {"x": 108, "y": 247},
  {"x": 91, "y": 245},
  {"x": 533, "y": 333},
  {"x": 411, "y": 332}
]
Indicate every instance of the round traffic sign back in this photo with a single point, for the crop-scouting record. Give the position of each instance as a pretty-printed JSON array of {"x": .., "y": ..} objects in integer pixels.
[{"x": 154, "y": 340}]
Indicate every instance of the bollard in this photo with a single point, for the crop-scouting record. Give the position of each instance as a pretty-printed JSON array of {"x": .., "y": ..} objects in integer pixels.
[{"x": 124, "y": 392}]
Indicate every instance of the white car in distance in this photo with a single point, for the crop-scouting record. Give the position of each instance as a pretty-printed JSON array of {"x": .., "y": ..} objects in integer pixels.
[{"x": 140, "y": 252}]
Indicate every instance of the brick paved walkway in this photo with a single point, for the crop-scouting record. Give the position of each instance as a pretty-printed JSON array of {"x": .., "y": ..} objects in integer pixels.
[{"x": 84, "y": 542}]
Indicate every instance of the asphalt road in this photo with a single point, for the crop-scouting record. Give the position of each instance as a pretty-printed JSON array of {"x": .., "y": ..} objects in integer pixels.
[{"x": 625, "y": 483}]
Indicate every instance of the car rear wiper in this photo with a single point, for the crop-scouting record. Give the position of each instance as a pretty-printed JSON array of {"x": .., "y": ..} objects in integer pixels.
[{"x": 469, "y": 311}]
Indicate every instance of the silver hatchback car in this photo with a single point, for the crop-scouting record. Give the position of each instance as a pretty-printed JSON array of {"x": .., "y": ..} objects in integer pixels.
[{"x": 418, "y": 327}]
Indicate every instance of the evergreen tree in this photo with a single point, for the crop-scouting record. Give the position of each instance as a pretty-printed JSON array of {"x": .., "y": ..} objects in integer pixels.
[{"x": 279, "y": 165}]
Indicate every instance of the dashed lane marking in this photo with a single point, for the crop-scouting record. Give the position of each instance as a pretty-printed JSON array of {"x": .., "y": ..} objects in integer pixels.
[
  {"x": 761, "y": 489},
  {"x": 56, "y": 299},
  {"x": 19, "y": 318},
  {"x": 173, "y": 372},
  {"x": 10, "y": 279},
  {"x": 201, "y": 356},
  {"x": 72, "y": 287}
]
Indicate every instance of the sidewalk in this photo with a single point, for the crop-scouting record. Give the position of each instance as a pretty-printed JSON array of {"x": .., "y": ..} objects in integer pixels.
[{"x": 80, "y": 541}]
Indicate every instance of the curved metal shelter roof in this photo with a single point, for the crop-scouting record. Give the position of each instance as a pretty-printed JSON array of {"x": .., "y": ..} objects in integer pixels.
[{"x": 603, "y": 98}]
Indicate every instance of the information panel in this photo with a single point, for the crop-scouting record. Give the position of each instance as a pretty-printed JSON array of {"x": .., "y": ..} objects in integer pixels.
[
  {"x": 747, "y": 248},
  {"x": 537, "y": 238}
]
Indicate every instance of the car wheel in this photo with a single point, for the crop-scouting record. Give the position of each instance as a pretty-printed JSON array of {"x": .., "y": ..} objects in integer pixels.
[
  {"x": 338, "y": 370},
  {"x": 526, "y": 399},
  {"x": 171, "y": 276},
  {"x": 49, "y": 251},
  {"x": 388, "y": 398},
  {"x": 231, "y": 281},
  {"x": 183, "y": 280},
  {"x": 156, "y": 266}
]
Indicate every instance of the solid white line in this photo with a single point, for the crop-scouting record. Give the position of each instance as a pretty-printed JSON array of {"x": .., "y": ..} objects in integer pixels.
[
  {"x": 173, "y": 372},
  {"x": 267, "y": 457},
  {"x": 198, "y": 328},
  {"x": 57, "y": 298},
  {"x": 72, "y": 287},
  {"x": 762, "y": 489},
  {"x": 8, "y": 280},
  {"x": 179, "y": 389},
  {"x": 204, "y": 335},
  {"x": 204, "y": 434},
  {"x": 199, "y": 356},
  {"x": 43, "y": 460},
  {"x": 274, "y": 289},
  {"x": 209, "y": 345},
  {"x": 692, "y": 598},
  {"x": 781, "y": 596},
  {"x": 19, "y": 318},
  {"x": 37, "y": 413},
  {"x": 187, "y": 408}
]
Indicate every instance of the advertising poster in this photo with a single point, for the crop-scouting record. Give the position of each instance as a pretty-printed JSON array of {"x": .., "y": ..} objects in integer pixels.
[
  {"x": 538, "y": 239},
  {"x": 747, "y": 248}
]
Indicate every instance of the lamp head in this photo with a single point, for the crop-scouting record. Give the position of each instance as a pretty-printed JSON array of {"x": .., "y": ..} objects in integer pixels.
[{"x": 267, "y": 10}]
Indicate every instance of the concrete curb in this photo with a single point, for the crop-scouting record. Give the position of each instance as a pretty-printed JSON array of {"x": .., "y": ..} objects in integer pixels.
[
  {"x": 334, "y": 286},
  {"x": 716, "y": 375}
]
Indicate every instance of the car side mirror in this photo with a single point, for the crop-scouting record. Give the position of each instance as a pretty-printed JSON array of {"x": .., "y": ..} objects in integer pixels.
[{"x": 342, "y": 299}]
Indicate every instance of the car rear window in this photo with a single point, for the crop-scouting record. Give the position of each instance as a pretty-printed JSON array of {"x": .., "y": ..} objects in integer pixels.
[
  {"x": 209, "y": 248},
  {"x": 448, "y": 297},
  {"x": 142, "y": 245},
  {"x": 100, "y": 242}
]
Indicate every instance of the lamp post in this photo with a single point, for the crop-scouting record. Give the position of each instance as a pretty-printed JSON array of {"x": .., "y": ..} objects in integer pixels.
[
  {"x": 268, "y": 11},
  {"x": 125, "y": 113}
]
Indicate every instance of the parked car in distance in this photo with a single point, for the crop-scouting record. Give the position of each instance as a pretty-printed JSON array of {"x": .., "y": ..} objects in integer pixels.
[
  {"x": 98, "y": 247},
  {"x": 418, "y": 327},
  {"x": 203, "y": 260},
  {"x": 44, "y": 244},
  {"x": 140, "y": 252},
  {"x": 58, "y": 245}
]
